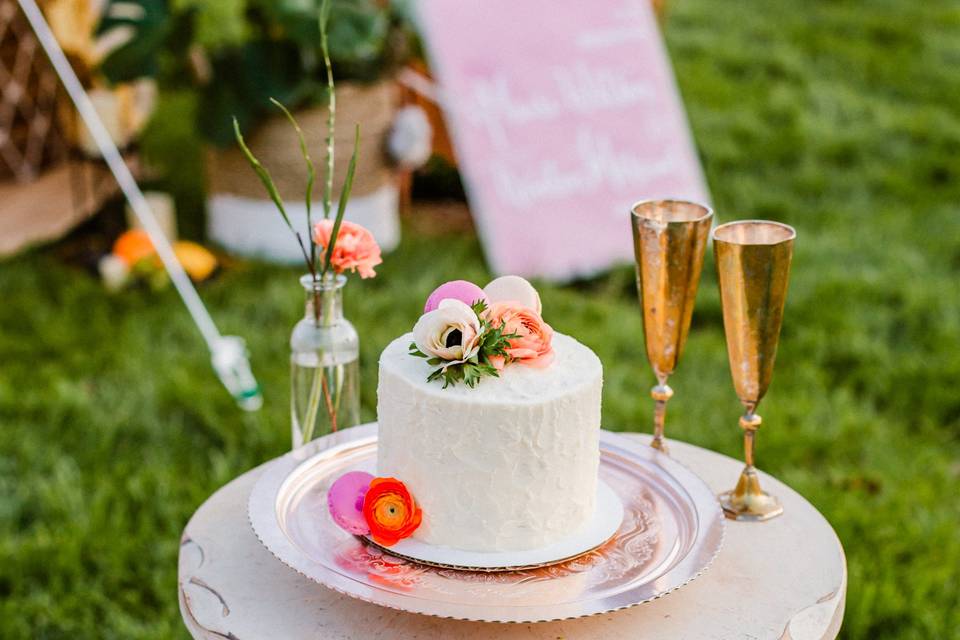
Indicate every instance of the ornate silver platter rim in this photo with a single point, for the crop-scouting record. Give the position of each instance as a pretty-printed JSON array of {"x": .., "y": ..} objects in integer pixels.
[{"x": 677, "y": 489}]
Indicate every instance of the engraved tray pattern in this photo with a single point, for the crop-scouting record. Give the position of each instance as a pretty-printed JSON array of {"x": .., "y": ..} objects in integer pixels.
[{"x": 672, "y": 530}]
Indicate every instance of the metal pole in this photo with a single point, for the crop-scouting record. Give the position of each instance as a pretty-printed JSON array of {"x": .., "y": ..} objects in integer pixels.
[{"x": 228, "y": 353}]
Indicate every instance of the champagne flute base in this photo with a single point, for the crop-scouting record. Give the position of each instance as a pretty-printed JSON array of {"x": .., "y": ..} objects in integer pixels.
[{"x": 748, "y": 502}]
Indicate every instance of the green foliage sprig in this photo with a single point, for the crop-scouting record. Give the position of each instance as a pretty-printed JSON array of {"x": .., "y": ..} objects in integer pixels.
[
  {"x": 493, "y": 343},
  {"x": 318, "y": 268}
]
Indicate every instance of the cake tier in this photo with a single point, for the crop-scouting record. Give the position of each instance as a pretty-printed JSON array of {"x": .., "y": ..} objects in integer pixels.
[{"x": 506, "y": 466}]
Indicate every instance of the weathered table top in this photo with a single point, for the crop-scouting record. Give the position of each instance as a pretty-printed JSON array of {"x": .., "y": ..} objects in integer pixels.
[{"x": 786, "y": 579}]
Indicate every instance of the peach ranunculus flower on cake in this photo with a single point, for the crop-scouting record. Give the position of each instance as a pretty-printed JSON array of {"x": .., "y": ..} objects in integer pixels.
[
  {"x": 533, "y": 344},
  {"x": 355, "y": 249}
]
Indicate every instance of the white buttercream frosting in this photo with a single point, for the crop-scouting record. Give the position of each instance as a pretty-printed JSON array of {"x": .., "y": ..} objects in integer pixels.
[{"x": 508, "y": 465}]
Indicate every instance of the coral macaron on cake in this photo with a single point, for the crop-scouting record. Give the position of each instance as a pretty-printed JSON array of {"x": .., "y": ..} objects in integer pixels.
[{"x": 489, "y": 426}]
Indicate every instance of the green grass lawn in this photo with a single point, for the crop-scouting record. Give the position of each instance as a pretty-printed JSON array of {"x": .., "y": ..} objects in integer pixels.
[{"x": 840, "y": 118}]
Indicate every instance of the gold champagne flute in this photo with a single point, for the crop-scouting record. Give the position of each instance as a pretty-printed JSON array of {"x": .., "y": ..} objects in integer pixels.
[
  {"x": 669, "y": 241},
  {"x": 753, "y": 267}
]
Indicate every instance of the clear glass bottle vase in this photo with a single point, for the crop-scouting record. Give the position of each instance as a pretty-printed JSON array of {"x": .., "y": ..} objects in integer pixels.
[{"x": 324, "y": 364}]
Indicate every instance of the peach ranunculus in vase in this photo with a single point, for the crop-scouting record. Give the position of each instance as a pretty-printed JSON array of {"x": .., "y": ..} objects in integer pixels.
[
  {"x": 532, "y": 345},
  {"x": 355, "y": 249}
]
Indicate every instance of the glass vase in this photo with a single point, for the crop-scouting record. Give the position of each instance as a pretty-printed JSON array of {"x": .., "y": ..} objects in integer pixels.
[{"x": 324, "y": 364}]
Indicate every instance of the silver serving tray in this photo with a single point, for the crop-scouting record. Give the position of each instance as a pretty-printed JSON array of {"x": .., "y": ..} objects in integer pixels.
[{"x": 672, "y": 529}]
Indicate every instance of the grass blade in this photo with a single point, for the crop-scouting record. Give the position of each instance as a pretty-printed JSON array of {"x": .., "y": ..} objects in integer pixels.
[
  {"x": 311, "y": 174},
  {"x": 344, "y": 196}
]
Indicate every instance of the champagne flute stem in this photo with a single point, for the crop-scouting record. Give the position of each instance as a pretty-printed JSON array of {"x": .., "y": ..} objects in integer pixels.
[
  {"x": 749, "y": 422},
  {"x": 748, "y": 436},
  {"x": 659, "y": 417},
  {"x": 747, "y": 501},
  {"x": 661, "y": 393}
]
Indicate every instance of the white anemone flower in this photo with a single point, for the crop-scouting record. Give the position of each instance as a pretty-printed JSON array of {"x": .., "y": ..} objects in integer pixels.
[{"x": 450, "y": 332}]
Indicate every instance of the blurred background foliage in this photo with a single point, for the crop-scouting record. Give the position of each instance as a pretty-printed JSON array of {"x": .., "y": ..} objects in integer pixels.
[
  {"x": 239, "y": 53},
  {"x": 838, "y": 117},
  {"x": 230, "y": 57}
]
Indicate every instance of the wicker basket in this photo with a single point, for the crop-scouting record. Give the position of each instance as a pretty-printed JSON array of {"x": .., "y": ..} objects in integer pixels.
[
  {"x": 241, "y": 218},
  {"x": 275, "y": 144}
]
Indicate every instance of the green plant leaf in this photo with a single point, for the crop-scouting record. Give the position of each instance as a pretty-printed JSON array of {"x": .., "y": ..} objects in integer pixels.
[
  {"x": 311, "y": 175},
  {"x": 216, "y": 26},
  {"x": 344, "y": 196},
  {"x": 323, "y": 22},
  {"x": 311, "y": 171},
  {"x": 262, "y": 173},
  {"x": 415, "y": 351},
  {"x": 139, "y": 55},
  {"x": 244, "y": 81},
  {"x": 358, "y": 32}
]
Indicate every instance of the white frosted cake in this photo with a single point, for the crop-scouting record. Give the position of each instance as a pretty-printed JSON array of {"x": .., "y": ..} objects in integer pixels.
[
  {"x": 510, "y": 464},
  {"x": 489, "y": 436}
]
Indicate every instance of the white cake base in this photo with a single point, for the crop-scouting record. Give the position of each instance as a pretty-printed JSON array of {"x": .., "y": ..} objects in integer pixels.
[{"x": 606, "y": 520}]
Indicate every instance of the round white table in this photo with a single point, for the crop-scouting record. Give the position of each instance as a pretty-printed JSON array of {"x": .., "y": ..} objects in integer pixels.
[{"x": 785, "y": 578}]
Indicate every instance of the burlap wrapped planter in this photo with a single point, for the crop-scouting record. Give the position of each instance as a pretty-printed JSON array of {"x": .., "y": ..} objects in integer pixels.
[{"x": 243, "y": 220}]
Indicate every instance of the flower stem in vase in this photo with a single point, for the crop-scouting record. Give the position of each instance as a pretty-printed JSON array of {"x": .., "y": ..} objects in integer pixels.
[
  {"x": 325, "y": 364},
  {"x": 324, "y": 345}
]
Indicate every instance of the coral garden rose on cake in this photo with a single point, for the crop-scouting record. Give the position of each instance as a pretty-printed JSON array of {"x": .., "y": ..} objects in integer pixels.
[
  {"x": 355, "y": 249},
  {"x": 532, "y": 344},
  {"x": 390, "y": 511}
]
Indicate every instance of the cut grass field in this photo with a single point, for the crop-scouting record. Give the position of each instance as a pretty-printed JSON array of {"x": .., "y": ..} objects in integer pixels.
[{"x": 840, "y": 118}]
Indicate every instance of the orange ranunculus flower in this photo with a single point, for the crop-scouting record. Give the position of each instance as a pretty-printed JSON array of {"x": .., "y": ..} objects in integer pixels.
[
  {"x": 390, "y": 511},
  {"x": 133, "y": 246}
]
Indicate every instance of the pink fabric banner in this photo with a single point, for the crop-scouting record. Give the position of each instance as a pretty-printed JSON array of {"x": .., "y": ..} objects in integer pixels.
[{"x": 563, "y": 114}]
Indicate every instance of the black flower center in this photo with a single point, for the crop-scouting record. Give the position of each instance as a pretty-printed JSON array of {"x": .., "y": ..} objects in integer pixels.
[{"x": 453, "y": 338}]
